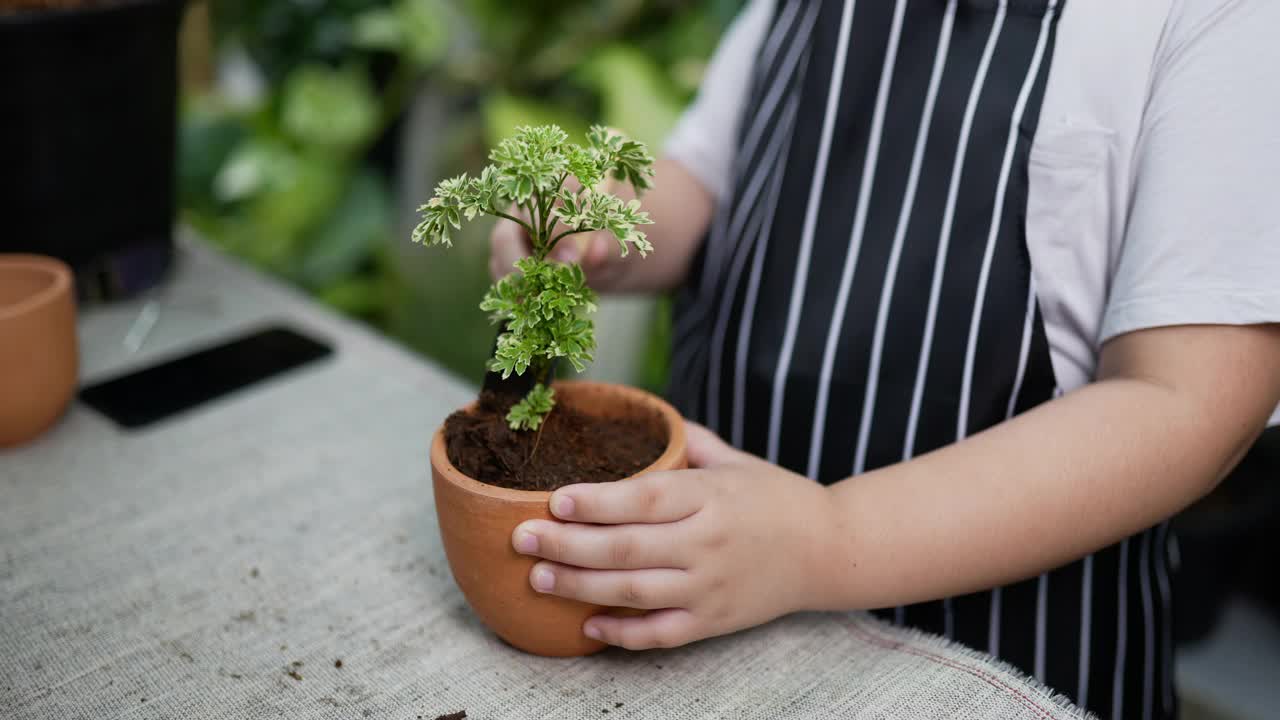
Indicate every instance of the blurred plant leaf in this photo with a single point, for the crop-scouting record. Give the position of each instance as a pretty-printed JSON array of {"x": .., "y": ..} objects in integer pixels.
[
  {"x": 360, "y": 296},
  {"x": 656, "y": 367},
  {"x": 284, "y": 214},
  {"x": 377, "y": 29},
  {"x": 334, "y": 109},
  {"x": 282, "y": 35},
  {"x": 206, "y": 139},
  {"x": 254, "y": 167},
  {"x": 425, "y": 25},
  {"x": 229, "y": 232},
  {"x": 687, "y": 74},
  {"x": 417, "y": 29},
  {"x": 504, "y": 113},
  {"x": 636, "y": 97},
  {"x": 347, "y": 238}
]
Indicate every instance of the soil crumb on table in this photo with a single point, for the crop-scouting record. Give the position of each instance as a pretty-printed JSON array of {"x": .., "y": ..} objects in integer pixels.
[
  {"x": 571, "y": 447},
  {"x": 460, "y": 715}
]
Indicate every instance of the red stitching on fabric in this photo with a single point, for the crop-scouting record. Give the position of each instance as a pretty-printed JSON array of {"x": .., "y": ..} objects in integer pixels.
[{"x": 890, "y": 644}]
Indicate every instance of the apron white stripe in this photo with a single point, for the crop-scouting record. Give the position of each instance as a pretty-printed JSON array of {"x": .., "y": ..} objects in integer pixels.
[
  {"x": 1148, "y": 627},
  {"x": 1025, "y": 351},
  {"x": 1122, "y": 631},
  {"x": 1166, "y": 616},
  {"x": 993, "y": 628},
  {"x": 1042, "y": 628},
  {"x": 895, "y": 254},
  {"x": 806, "y": 237},
  {"x": 761, "y": 119},
  {"x": 1002, "y": 188},
  {"x": 770, "y": 102},
  {"x": 869, "y": 166},
  {"x": 948, "y": 218},
  {"x": 735, "y": 271},
  {"x": 745, "y": 325},
  {"x": 1086, "y": 630},
  {"x": 780, "y": 28}
]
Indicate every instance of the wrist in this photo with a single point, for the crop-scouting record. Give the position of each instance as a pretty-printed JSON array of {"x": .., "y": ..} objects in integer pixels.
[{"x": 825, "y": 560}]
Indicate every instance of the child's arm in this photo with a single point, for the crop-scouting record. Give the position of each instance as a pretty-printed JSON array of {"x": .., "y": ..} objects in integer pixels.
[
  {"x": 1173, "y": 411},
  {"x": 680, "y": 208},
  {"x": 738, "y": 541}
]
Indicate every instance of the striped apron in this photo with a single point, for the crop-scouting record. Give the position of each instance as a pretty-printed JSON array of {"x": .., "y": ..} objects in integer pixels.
[{"x": 865, "y": 296}]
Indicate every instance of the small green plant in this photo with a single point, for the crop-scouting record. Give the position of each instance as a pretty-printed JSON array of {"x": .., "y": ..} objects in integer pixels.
[{"x": 545, "y": 306}]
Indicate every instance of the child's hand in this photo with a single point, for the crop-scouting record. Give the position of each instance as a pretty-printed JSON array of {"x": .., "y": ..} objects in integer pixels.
[{"x": 728, "y": 545}]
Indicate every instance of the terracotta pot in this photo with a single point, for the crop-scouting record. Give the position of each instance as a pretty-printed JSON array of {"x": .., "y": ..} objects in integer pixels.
[
  {"x": 477, "y": 520},
  {"x": 38, "y": 347}
]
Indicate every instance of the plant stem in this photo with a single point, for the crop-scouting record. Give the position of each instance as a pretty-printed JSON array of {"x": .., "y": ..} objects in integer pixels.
[
  {"x": 537, "y": 439},
  {"x": 538, "y": 247},
  {"x": 540, "y": 223},
  {"x": 514, "y": 219},
  {"x": 551, "y": 218},
  {"x": 548, "y": 219},
  {"x": 544, "y": 376},
  {"x": 563, "y": 235}
]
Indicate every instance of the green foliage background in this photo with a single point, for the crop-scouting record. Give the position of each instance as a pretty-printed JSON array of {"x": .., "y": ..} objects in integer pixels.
[{"x": 300, "y": 181}]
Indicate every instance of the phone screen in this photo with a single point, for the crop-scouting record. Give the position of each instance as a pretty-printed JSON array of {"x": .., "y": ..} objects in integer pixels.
[{"x": 174, "y": 386}]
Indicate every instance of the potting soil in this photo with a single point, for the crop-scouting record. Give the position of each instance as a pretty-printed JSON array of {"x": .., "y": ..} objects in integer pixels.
[{"x": 570, "y": 447}]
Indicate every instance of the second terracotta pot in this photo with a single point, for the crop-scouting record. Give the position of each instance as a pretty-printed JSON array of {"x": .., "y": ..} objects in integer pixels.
[
  {"x": 39, "y": 359},
  {"x": 477, "y": 520}
]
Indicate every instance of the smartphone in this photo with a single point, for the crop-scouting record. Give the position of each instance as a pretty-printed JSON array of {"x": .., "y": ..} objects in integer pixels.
[{"x": 177, "y": 385}]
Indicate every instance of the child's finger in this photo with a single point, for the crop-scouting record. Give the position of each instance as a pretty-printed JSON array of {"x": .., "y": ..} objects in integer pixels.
[
  {"x": 657, "y": 497},
  {"x": 668, "y": 628},
  {"x": 705, "y": 448},
  {"x": 628, "y": 547},
  {"x": 640, "y": 589}
]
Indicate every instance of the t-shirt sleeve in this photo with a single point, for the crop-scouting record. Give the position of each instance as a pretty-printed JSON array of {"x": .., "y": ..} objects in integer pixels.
[
  {"x": 702, "y": 140},
  {"x": 1203, "y": 238}
]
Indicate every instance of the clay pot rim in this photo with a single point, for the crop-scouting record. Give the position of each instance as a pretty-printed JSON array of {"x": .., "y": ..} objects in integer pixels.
[
  {"x": 57, "y": 271},
  {"x": 675, "y": 447}
]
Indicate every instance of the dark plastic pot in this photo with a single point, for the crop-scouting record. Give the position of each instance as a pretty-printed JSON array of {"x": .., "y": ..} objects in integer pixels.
[{"x": 88, "y": 98}]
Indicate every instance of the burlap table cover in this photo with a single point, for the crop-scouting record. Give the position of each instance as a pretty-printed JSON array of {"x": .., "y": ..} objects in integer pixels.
[{"x": 276, "y": 555}]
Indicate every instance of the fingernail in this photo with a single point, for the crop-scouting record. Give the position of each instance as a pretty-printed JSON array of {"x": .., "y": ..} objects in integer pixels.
[
  {"x": 526, "y": 542},
  {"x": 543, "y": 579},
  {"x": 592, "y": 632},
  {"x": 562, "y": 506}
]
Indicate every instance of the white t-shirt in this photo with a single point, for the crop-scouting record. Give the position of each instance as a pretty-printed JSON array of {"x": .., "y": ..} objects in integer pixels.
[{"x": 1154, "y": 174}]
